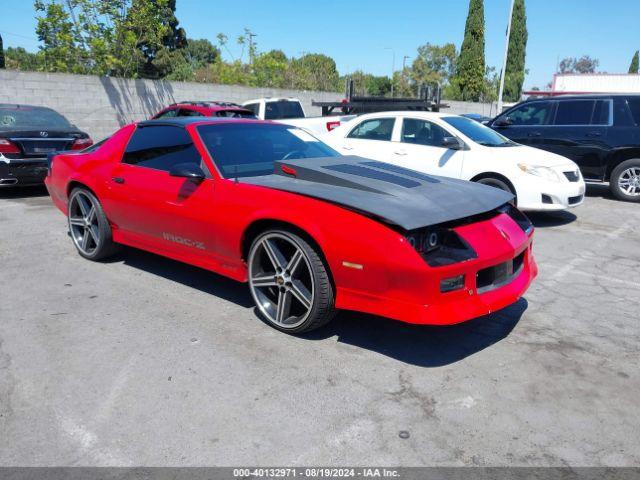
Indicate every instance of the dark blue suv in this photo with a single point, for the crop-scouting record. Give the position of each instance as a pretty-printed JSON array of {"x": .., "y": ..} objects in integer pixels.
[{"x": 601, "y": 133}]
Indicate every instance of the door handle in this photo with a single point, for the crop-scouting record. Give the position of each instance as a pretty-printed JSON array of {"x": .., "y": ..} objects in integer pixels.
[
  {"x": 594, "y": 134},
  {"x": 347, "y": 147},
  {"x": 534, "y": 134},
  {"x": 118, "y": 180},
  {"x": 400, "y": 152}
]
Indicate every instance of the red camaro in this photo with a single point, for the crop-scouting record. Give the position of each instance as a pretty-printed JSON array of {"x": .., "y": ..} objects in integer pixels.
[{"x": 310, "y": 230}]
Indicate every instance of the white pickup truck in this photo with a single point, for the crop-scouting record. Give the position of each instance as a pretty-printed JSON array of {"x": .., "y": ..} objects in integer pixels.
[{"x": 290, "y": 112}]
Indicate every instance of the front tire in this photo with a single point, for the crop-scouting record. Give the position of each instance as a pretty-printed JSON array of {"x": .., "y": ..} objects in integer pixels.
[
  {"x": 289, "y": 282},
  {"x": 88, "y": 225},
  {"x": 625, "y": 181}
]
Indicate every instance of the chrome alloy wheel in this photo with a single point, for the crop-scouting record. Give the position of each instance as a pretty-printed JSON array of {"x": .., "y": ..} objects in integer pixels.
[
  {"x": 629, "y": 181},
  {"x": 281, "y": 280},
  {"x": 83, "y": 223}
]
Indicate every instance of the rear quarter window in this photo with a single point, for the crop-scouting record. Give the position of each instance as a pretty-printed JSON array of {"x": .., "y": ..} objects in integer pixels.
[
  {"x": 160, "y": 147},
  {"x": 634, "y": 108}
]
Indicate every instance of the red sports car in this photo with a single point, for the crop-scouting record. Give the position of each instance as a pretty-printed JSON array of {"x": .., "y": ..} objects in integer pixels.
[{"x": 310, "y": 230}]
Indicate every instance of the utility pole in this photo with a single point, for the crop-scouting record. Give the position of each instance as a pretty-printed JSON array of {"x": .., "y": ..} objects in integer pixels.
[
  {"x": 251, "y": 35},
  {"x": 504, "y": 62},
  {"x": 393, "y": 67}
]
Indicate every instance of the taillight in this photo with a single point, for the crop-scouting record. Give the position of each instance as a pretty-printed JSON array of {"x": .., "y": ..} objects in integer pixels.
[
  {"x": 81, "y": 143},
  {"x": 332, "y": 125},
  {"x": 7, "y": 146}
]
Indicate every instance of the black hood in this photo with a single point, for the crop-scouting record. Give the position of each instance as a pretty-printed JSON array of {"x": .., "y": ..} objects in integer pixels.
[{"x": 393, "y": 194}]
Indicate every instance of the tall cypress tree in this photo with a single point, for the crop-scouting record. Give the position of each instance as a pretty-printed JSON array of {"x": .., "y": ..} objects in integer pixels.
[
  {"x": 470, "y": 67},
  {"x": 1, "y": 53},
  {"x": 633, "y": 68},
  {"x": 514, "y": 73}
]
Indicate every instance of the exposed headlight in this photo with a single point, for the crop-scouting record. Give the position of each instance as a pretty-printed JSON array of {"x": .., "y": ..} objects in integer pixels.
[
  {"x": 517, "y": 216},
  {"x": 540, "y": 171},
  {"x": 440, "y": 246}
]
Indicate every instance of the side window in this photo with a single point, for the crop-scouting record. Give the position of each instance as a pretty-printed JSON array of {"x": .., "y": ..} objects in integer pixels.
[
  {"x": 168, "y": 113},
  {"x": 189, "y": 113},
  {"x": 254, "y": 107},
  {"x": 160, "y": 147},
  {"x": 601, "y": 113},
  {"x": 574, "y": 112},
  {"x": 422, "y": 132},
  {"x": 634, "y": 108},
  {"x": 536, "y": 113},
  {"x": 374, "y": 129}
]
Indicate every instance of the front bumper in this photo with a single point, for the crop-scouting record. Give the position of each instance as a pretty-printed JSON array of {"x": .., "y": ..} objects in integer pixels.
[
  {"x": 413, "y": 292},
  {"x": 550, "y": 196},
  {"x": 22, "y": 171}
]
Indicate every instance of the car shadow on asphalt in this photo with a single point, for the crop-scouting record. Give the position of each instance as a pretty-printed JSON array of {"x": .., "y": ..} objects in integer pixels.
[
  {"x": 188, "y": 275},
  {"x": 600, "y": 190},
  {"x": 551, "y": 219},
  {"x": 23, "y": 192},
  {"x": 422, "y": 345}
]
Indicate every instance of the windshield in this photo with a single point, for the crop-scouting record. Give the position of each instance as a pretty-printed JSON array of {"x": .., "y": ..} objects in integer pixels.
[
  {"x": 235, "y": 114},
  {"x": 250, "y": 149},
  {"x": 32, "y": 118},
  {"x": 283, "y": 109},
  {"x": 478, "y": 133}
]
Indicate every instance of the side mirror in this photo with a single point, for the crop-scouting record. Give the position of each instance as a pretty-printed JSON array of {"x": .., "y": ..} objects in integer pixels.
[
  {"x": 451, "y": 142},
  {"x": 190, "y": 171},
  {"x": 503, "y": 122}
]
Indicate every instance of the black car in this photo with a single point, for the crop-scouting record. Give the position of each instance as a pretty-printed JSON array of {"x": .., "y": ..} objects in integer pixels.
[
  {"x": 27, "y": 135},
  {"x": 601, "y": 133}
]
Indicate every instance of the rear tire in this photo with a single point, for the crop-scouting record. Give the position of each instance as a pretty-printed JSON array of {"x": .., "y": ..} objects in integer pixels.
[
  {"x": 289, "y": 282},
  {"x": 625, "y": 181},
  {"x": 88, "y": 225}
]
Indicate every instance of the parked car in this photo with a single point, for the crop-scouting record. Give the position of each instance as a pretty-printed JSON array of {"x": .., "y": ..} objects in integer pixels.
[
  {"x": 290, "y": 112},
  {"x": 477, "y": 117},
  {"x": 309, "y": 229},
  {"x": 458, "y": 147},
  {"x": 601, "y": 133},
  {"x": 27, "y": 135},
  {"x": 194, "y": 108}
]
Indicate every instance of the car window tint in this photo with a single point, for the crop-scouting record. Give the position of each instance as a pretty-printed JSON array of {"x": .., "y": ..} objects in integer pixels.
[
  {"x": 601, "y": 113},
  {"x": 574, "y": 112},
  {"x": 422, "y": 132},
  {"x": 235, "y": 114},
  {"x": 634, "y": 108},
  {"x": 536, "y": 113},
  {"x": 184, "y": 112},
  {"x": 254, "y": 107},
  {"x": 374, "y": 129},
  {"x": 168, "y": 113},
  {"x": 281, "y": 109},
  {"x": 160, "y": 148},
  {"x": 24, "y": 117}
]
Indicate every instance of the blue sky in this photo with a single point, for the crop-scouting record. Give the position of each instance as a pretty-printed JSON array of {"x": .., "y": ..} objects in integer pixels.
[{"x": 363, "y": 34}]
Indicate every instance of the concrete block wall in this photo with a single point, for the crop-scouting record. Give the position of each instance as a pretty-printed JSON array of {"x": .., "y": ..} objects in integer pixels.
[{"x": 100, "y": 105}]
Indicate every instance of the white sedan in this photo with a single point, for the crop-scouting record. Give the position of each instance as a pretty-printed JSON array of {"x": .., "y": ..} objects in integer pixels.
[{"x": 458, "y": 147}]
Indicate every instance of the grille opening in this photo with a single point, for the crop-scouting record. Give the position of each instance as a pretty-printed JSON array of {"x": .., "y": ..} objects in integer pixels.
[
  {"x": 499, "y": 275},
  {"x": 547, "y": 199},
  {"x": 576, "y": 199}
]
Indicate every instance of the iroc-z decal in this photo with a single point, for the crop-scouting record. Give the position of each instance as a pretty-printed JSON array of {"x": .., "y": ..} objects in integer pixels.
[{"x": 183, "y": 241}]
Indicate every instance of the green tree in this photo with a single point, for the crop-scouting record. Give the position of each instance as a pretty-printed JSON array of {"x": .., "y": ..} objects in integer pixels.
[
  {"x": 269, "y": 69},
  {"x": 200, "y": 53},
  {"x": 584, "y": 64},
  {"x": 314, "y": 71},
  {"x": 150, "y": 32},
  {"x": 55, "y": 29},
  {"x": 368, "y": 84},
  {"x": 633, "y": 68},
  {"x": 434, "y": 64},
  {"x": 515, "y": 71},
  {"x": 17, "y": 58},
  {"x": 2, "y": 64},
  {"x": 469, "y": 79}
]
